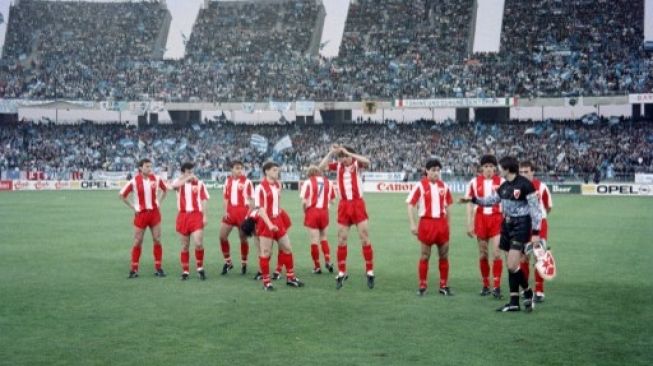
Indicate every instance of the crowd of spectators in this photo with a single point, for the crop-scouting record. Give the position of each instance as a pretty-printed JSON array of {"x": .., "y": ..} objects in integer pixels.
[
  {"x": 565, "y": 149},
  {"x": 254, "y": 51}
]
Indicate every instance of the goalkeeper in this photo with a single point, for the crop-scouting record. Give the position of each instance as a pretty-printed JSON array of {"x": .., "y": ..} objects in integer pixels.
[{"x": 522, "y": 216}]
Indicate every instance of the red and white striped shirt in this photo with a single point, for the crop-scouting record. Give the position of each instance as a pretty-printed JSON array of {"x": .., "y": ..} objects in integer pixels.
[
  {"x": 267, "y": 196},
  {"x": 483, "y": 187},
  {"x": 190, "y": 196},
  {"x": 350, "y": 185},
  {"x": 432, "y": 198},
  {"x": 318, "y": 191},
  {"x": 238, "y": 191},
  {"x": 545, "y": 196},
  {"x": 145, "y": 191}
]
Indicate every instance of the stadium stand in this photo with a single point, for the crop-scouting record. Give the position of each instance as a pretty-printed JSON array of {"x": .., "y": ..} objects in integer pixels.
[
  {"x": 255, "y": 51},
  {"x": 561, "y": 149}
]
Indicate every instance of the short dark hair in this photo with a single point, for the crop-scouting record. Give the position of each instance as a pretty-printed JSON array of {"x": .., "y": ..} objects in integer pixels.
[
  {"x": 187, "y": 166},
  {"x": 527, "y": 164},
  {"x": 349, "y": 149},
  {"x": 236, "y": 162},
  {"x": 510, "y": 164},
  {"x": 433, "y": 163},
  {"x": 268, "y": 165},
  {"x": 248, "y": 226},
  {"x": 488, "y": 159},
  {"x": 143, "y": 162}
]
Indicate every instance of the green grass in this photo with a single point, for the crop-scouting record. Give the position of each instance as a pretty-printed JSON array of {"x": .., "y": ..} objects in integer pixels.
[{"x": 65, "y": 299}]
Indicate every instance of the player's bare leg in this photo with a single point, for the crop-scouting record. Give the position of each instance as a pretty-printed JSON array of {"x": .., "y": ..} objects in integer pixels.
[
  {"x": 285, "y": 249},
  {"x": 225, "y": 230},
  {"x": 443, "y": 266},
  {"x": 184, "y": 256},
  {"x": 157, "y": 250},
  {"x": 136, "y": 251},
  {"x": 198, "y": 241},
  {"x": 368, "y": 253},
  {"x": 341, "y": 255}
]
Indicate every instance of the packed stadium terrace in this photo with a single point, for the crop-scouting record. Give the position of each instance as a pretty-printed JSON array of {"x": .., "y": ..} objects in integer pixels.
[
  {"x": 391, "y": 48},
  {"x": 561, "y": 149}
]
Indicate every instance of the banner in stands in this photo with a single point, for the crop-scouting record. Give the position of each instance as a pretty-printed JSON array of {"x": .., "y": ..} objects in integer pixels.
[
  {"x": 6, "y": 185},
  {"x": 280, "y": 106},
  {"x": 640, "y": 98},
  {"x": 384, "y": 176},
  {"x": 643, "y": 178},
  {"x": 455, "y": 103},
  {"x": 564, "y": 188},
  {"x": 617, "y": 189},
  {"x": 405, "y": 187},
  {"x": 105, "y": 175},
  {"x": 45, "y": 185},
  {"x": 305, "y": 108},
  {"x": 249, "y": 107}
]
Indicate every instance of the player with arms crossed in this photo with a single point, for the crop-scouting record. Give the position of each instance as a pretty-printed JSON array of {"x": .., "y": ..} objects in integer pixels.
[
  {"x": 432, "y": 197},
  {"x": 146, "y": 187},
  {"x": 522, "y": 218},
  {"x": 485, "y": 224},
  {"x": 191, "y": 219},
  {"x": 351, "y": 208},
  {"x": 238, "y": 192}
]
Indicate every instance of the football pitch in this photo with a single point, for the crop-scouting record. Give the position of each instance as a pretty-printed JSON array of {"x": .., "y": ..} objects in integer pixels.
[{"x": 65, "y": 298}]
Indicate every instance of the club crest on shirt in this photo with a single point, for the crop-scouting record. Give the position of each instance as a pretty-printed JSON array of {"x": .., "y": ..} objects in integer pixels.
[
  {"x": 240, "y": 186},
  {"x": 516, "y": 193}
]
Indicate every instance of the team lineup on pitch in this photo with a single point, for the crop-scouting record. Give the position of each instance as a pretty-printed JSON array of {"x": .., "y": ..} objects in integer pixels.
[{"x": 506, "y": 213}]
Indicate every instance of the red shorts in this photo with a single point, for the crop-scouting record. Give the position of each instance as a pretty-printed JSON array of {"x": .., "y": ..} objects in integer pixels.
[
  {"x": 189, "y": 222},
  {"x": 433, "y": 231},
  {"x": 262, "y": 229},
  {"x": 287, "y": 223},
  {"x": 149, "y": 218},
  {"x": 316, "y": 218},
  {"x": 235, "y": 216},
  {"x": 351, "y": 212},
  {"x": 544, "y": 230},
  {"x": 487, "y": 226}
]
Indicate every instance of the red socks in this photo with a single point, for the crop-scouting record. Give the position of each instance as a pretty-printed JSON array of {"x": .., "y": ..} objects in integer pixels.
[
  {"x": 136, "y": 257},
  {"x": 539, "y": 282},
  {"x": 444, "y": 272},
  {"x": 280, "y": 262},
  {"x": 157, "y": 250},
  {"x": 368, "y": 254},
  {"x": 264, "y": 264},
  {"x": 244, "y": 251},
  {"x": 326, "y": 251},
  {"x": 422, "y": 271},
  {"x": 342, "y": 258},
  {"x": 525, "y": 269},
  {"x": 288, "y": 262},
  {"x": 224, "y": 246},
  {"x": 315, "y": 254},
  {"x": 199, "y": 258},
  {"x": 184, "y": 261},
  {"x": 497, "y": 268},
  {"x": 485, "y": 271}
]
